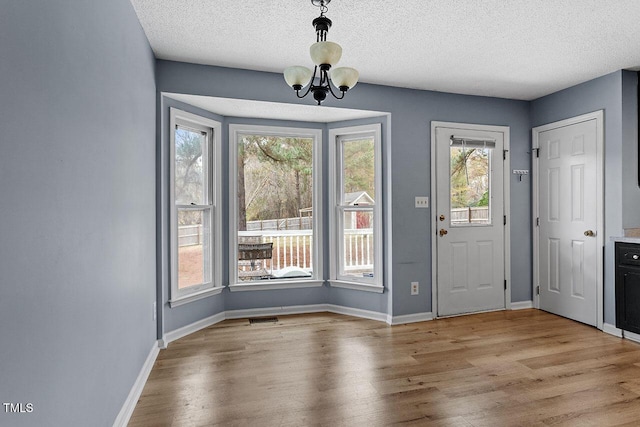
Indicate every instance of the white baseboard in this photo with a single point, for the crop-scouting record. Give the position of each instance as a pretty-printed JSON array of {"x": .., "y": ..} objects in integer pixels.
[
  {"x": 631, "y": 336},
  {"x": 132, "y": 399},
  {"x": 274, "y": 311},
  {"x": 191, "y": 328},
  {"x": 304, "y": 309},
  {"x": 612, "y": 330},
  {"x": 411, "y": 318},
  {"x": 620, "y": 333},
  {"x": 521, "y": 305},
  {"x": 356, "y": 312}
]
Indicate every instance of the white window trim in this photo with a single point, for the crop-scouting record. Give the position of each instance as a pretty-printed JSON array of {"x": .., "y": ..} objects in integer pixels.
[
  {"x": 275, "y": 284},
  {"x": 316, "y": 280},
  {"x": 378, "y": 289},
  {"x": 335, "y": 241},
  {"x": 177, "y": 296}
]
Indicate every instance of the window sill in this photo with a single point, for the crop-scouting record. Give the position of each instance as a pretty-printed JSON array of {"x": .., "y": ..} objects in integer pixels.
[
  {"x": 270, "y": 285},
  {"x": 367, "y": 287},
  {"x": 177, "y": 302}
]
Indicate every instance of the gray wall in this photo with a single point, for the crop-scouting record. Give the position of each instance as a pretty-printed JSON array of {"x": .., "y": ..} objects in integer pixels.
[
  {"x": 411, "y": 114},
  {"x": 630, "y": 188},
  {"x": 604, "y": 93},
  {"x": 77, "y": 207}
]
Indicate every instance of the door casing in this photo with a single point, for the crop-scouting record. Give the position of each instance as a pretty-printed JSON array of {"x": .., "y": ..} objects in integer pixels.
[
  {"x": 535, "y": 190},
  {"x": 507, "y": 207}
]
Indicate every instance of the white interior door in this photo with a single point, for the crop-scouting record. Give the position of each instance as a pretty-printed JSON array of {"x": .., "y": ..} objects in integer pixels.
[
  {"x": 470, "y": 221},
  {"x": 569, "y": 205}
]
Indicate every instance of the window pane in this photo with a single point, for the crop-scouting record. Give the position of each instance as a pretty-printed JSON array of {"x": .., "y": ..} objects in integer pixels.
[
  {"x": 190, "y": 173},
  {"x": 275, "y": 207},
  {"x": 358, "y": 172},
  {"x": 470, "y": 186},
  {"x": 194, "y": 250},
  {"x": 357, "y": 256}
]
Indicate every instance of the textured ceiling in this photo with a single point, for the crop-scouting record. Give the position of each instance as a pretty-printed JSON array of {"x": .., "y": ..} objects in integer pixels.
[{"x": 520, "y": 49}]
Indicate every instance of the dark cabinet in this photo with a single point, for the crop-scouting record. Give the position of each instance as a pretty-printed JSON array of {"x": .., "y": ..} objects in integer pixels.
[{"x": 628, "y": 286}]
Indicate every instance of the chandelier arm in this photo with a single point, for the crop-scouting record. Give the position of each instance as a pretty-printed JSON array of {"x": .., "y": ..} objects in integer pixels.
[
  {"x": 315, "y": 70},
  {"x": 333, "y": 93}
]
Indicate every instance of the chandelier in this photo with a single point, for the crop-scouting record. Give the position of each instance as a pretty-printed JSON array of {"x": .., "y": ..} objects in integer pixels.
[{"x": 325, "y": 55}]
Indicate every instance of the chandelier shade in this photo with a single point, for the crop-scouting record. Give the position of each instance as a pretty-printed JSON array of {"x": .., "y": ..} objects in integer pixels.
[
  {"x": 297, "y": 76},
  {"x": 325, "y": 55},
  {"x": 344, "y": 77}
]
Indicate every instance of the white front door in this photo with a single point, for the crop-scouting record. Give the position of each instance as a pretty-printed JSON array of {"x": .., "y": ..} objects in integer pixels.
[
  {"x": 569, "y": 206},
  {"x": 470, "y": 221}
]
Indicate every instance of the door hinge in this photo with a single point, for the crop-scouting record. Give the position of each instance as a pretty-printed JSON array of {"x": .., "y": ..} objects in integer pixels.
[
  {"x": 505, "y": 284},
  {"x": 538, "y": 222},
  {"x": 538, "y": 290},
  {"x": 504, "y": 154},
  {"x": 537, "y": 150},
  {"x": 505, "y": 220}
]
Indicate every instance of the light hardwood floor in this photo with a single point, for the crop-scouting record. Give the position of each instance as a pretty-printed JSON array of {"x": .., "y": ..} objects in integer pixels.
[{"x": 508, "y": 368}]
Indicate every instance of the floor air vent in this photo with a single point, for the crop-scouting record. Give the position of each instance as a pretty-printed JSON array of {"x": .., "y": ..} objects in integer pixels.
[{"x": 263, "y": 320}]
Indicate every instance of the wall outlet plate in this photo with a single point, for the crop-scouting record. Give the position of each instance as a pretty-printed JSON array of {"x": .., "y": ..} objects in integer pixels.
[
  {"x": 422, "y": 202},
  {"x": 415, "y": 288}
]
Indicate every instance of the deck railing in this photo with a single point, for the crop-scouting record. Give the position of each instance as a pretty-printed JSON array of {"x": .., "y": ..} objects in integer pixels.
[
  {"x": 358, "y": 249},
  {"x": 294, "y": 248}
]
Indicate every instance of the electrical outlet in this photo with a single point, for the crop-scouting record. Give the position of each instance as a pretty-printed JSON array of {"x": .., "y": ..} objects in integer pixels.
[
  {"x": 415, "y": 288},
  {"x": 154, "y": 310},
  {"x": 422, "y": 202}
]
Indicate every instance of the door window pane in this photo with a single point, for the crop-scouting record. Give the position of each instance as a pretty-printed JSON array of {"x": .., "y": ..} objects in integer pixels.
[
  {"x": 470, "y": 185},
  {"x": 190, "y": 185},
  {"x": 194, "y": 252}
]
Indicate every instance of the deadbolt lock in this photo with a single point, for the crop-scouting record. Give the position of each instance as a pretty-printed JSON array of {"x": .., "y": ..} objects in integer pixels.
[{"x": 441, "y": 217}]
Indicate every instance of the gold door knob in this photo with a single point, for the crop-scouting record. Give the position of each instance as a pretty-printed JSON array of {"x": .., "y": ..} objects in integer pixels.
[
  {"x": 589, "y": 233},
  {"x": 441, "y": 217},
  {"x": 443, "y": 232}
]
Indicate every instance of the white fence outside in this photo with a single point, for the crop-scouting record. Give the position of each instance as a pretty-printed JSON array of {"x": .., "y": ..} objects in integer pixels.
[
  {"x": 477, "y": 215},
  {"x": 298, "y": 223},
  {"x": 189, "y": 235}
]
